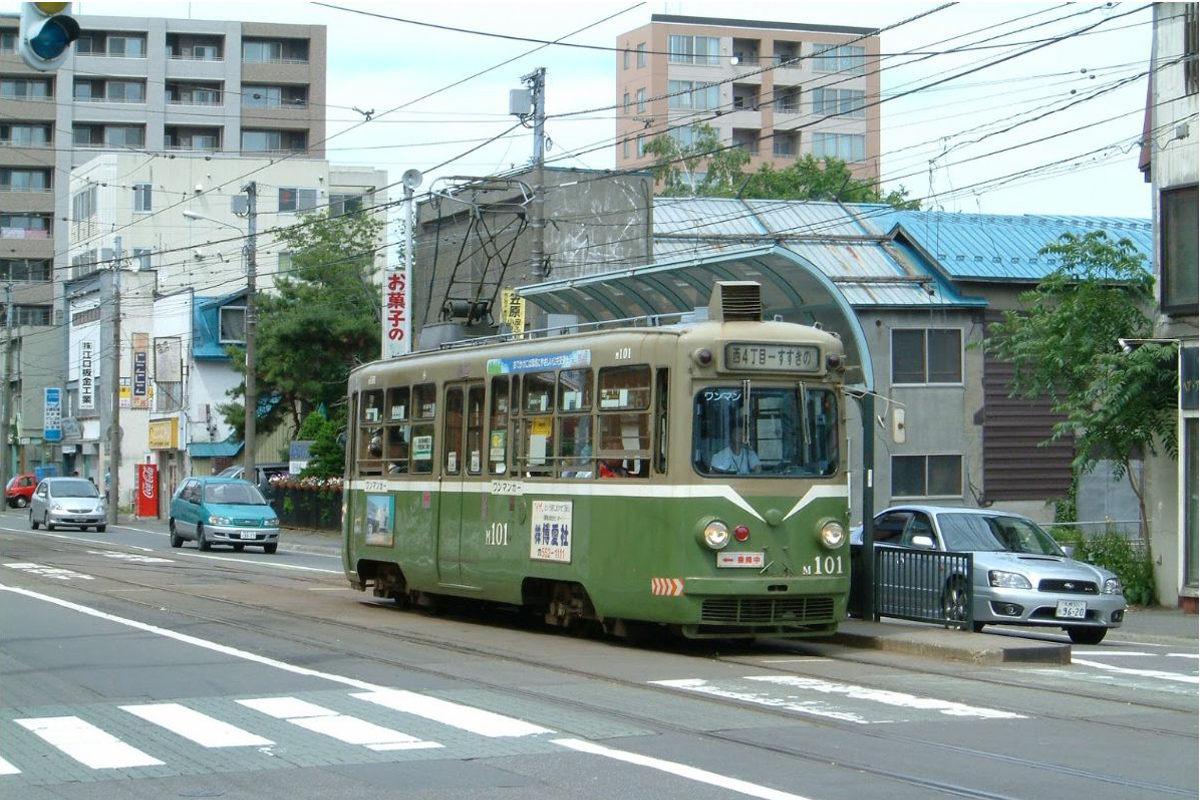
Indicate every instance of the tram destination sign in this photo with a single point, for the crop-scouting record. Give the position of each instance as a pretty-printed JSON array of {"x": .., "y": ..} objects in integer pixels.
[{"x": 767, "y": 357}]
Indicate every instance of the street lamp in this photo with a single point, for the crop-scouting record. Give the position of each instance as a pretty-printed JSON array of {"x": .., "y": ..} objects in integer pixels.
[{"x": 251, "y": 397}]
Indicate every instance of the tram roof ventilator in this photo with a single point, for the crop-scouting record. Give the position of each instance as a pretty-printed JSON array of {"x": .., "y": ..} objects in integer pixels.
[{"x": 736, "y": 301}]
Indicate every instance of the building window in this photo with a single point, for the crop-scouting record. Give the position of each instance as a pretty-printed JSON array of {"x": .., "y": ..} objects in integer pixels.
[
  {"x": 641, "y": 100},
  {"x": 24, "y": 270},
  {"x": 1191, "y": 72},
  {"x": 624, "y": 148},
  {"x": 293, "y": 200},
  {"x": 927, "y": 356},
  {"x": 265, "y": 141},
  {"x": 844, "y": 146},
  {"x": 285, "y": 263},
  {"x": 694, "y": 50},
  {"x": 1178, "y": 213},
  {"x": 262, "y": 52},
  {"x": 24, "y": 180},
  {"x": 926, "y": 476},
  {"x": 24, "y": 89},
  {"x": 625, "y": 102},
  {"x": 27, "y": 315},
  {"x": 141, "y": 257},
  {"x": 684, "y": 137},
  {"x": 624, "y": 59},
  {"x": 846, "y": 58},
  {"x": 24, "y": 226},
  {"x": 344, "y": 204},
  {"x": 8, "y": 42},
  {"x": 233, "y": 324},
  {"x": 842, "y": 102},
  {"x": 127, "y": 46},
  {"x": 142, "y": 197},
  {"x": 641, "y": 55},
  {"x": 641, "y": 146},
  {"x": 24, "y": 135},
  {"x": 693, "y": 95}
]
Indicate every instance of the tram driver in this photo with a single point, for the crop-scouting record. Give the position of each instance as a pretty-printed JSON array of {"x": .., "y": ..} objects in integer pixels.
[{"x": 737, "y": 457}]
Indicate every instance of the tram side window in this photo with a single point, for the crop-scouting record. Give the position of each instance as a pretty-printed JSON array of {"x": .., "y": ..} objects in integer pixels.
[
  {"x": 474, "y": 446},
  {"x": 537, "y": 424},
  {"x": 398, "y": 432},
  {"x": 575, "y": 423},
  {"x": 453, "y": 430},
  {"x": 370, "y": 433},
  {"x": 424, "y": 411},
  {"x": 498, "y": 438},
  {"x": 661, "y": 421},
  {"x": 623, "y": 422}
]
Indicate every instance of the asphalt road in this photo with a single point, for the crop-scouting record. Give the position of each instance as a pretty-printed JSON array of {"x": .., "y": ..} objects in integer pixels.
[{"x": 129, "y": 669}]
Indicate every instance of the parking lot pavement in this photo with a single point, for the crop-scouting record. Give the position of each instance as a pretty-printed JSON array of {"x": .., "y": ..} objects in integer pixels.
[{"x": 1141, "y": 624}]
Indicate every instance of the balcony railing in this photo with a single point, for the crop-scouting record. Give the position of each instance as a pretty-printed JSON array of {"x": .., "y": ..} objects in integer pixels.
[
  {"x": 23, "y": 233},
  {"x": 189, "y": 146},
  {"x": 11, "y": 143},
  {"x": 141, "y": 101},
  {"x": 181, "y": 57},
  {"x": 8, "y": 187},
  {"x": 275, "y": 60},
  {"x": 191, "y": 102}
]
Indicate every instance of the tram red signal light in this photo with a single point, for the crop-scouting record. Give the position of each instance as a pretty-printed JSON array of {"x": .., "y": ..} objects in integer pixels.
[
  {"x": 703, "y": 357},
  {"x": 741, "y": 533}
]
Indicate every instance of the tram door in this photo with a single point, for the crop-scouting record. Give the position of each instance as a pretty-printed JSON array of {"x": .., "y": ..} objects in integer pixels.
[{"x": 462, "y": 470}]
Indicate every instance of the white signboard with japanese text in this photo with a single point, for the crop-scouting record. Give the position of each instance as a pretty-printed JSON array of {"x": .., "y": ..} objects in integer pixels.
[
  {"x": 87, "y": 375},
  {"x": 551, "y": 532},
  {"x": 397, "y": 321}
]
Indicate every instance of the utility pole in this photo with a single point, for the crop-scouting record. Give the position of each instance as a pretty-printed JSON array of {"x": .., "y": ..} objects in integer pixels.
[
  {"x": 114, "y": 419},
  {"x": 537, "y": 221},
  {"x": 251, "y": 190},
  {"x": 5, "y": 411}
]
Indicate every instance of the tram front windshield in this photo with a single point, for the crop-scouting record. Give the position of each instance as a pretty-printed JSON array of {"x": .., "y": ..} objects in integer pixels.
[{"x": 765, "y": 431}]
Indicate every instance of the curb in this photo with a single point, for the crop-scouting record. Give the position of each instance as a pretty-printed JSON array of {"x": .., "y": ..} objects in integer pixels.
[{"x": 972, "y": 649}]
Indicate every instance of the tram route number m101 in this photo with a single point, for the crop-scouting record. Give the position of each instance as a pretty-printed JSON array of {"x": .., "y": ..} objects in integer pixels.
[{"x": 772, "y": 357}]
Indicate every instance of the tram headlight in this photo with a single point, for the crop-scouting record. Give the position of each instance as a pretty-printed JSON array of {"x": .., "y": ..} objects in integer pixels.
[
  {"x": 833, "y": 535},
  {"x": 715, "y": 535}
]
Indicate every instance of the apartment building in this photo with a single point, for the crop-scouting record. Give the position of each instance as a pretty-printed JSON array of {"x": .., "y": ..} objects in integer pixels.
[
  {"x": 146, "y": 86},
  {"x": 780, "y": 90}
]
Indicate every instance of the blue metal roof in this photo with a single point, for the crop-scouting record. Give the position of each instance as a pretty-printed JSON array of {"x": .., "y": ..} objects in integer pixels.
[
  {"x": 992, "y": 247},
  {"x": 225, "y": 449},
  {"x": 206, "y": 325}
]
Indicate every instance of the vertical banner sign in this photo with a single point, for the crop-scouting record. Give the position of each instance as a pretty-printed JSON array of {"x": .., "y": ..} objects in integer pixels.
[
  {"x": 52, "y": 416},
  {"x": 512, "y": 310},
  {"x": 141, "y": 363},
  {"x": 87, "y": 375},
  {"x": 147, "y": 490},
  {"x": 396, "y": 321}
]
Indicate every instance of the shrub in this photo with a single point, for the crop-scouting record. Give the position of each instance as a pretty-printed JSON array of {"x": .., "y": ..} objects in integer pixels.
[{"x": 1133, "y": 565}]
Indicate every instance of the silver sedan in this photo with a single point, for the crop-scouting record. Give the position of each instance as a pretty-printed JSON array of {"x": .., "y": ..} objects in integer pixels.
[
  {"x": 72, "y": 502},
  {"x": 1022, "y": 576}
]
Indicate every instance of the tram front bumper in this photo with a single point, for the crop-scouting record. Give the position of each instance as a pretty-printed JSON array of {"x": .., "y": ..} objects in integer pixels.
[{"x": 725, "y": 607}]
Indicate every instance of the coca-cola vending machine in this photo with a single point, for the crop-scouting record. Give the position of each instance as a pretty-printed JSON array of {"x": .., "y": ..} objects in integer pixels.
[{"x": 147, "y": 490}]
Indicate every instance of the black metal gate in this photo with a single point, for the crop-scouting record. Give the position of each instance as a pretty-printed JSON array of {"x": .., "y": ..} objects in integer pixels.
[{"x": 923, "y": 585}]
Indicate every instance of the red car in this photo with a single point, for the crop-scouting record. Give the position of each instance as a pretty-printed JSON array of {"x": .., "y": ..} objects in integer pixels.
[{"x": 20, "y": 489}]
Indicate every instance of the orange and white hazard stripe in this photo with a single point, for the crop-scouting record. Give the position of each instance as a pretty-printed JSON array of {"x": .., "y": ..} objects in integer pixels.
[{"x": 671, "y": 587}]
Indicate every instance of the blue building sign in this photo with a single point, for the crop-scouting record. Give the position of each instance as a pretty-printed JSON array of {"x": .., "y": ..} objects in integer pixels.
[{"x": 52, "y": 416}]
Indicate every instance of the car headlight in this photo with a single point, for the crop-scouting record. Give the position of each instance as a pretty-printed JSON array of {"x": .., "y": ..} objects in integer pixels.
[
  {"x": 1113, "y": 586},
  {"x": 273, "y": 522},
  {"x": 57, "y": 507},
  {"x": 716, "y": 534},
  {"x": 1008, "y": 580},
  {"x": 833, "y": 535},
  {"x": 219, "y": 521}
]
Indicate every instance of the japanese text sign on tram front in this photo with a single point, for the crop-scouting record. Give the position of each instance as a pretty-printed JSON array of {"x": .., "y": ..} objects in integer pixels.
[
  {"x": 397, "y": 325},
  {"x": 772, "y": 357}
]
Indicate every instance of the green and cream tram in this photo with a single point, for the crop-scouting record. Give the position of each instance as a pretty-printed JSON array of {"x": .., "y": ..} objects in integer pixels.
[{"x": 686, "y": 475}]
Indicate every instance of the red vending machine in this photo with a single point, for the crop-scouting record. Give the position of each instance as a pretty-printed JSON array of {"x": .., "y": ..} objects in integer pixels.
[{"x": 147, "y": 490}]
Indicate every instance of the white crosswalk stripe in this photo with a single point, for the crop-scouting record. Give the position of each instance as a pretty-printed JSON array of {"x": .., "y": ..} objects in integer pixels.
[
  {"x": 7, "y": 768},
  {"x": 342, "y": 727},
  {"x": 87, "y": 744},
  {"x": 199, "y": 728}
]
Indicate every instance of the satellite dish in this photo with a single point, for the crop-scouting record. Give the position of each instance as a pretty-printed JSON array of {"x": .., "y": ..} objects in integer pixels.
[{"x": 411, "y": 178}]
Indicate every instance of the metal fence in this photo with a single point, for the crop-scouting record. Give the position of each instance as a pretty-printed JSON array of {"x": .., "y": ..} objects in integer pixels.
[
  {"x": 923, "y": 585},
  {"x": 305, "y": 508}
]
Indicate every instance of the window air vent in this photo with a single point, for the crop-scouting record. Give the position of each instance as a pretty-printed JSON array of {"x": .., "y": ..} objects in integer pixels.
[{"x": 736, "y": 301}]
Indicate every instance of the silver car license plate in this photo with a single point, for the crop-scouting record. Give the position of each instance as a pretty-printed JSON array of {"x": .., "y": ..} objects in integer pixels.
[{"x": 1071, "y": 609}]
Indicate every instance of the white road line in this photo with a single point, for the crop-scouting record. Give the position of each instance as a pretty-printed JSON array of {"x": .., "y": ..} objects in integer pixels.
[
  {"x": 48, "y": 535},
  {"x": 342, "y": 727},
  {"x": 889, "y": 698},
  {"x": 475, "y": 720},
  {"x": 1111, "y": 653},
  {"x": 273, "y": 564},
  {"x": 1145, "y": 673},
  {"x": 449, "y": 710},
  {"x": 1183, "y": 655},
  {"x": 811, "y": 707},
  {"x": 682, "y": 770},
  {"x": 87, "y": 744},
  {"x": 7, "y": 768},
  {"x": 199, "y": 728},
  {"x": 793, "y": 660}
]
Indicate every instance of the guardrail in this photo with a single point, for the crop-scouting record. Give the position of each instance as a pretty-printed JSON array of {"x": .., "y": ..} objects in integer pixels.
[
  {"x": 318, "y": 510},
  {"x": 922, "y": 585}
]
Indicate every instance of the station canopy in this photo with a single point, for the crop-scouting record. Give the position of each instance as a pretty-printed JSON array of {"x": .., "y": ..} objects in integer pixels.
[{"x": 792, "y": 288}]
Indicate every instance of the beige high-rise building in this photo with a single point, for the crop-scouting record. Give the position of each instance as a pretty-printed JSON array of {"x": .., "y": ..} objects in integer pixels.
[
  {"x": 778, "y": 89},
  {"x": 148, "y": 86}
]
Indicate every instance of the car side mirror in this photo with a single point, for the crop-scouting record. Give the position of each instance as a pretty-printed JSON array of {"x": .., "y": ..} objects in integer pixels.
[
  {"x": 1069, "y": 549},
  {"x": 923, "y": 542}
]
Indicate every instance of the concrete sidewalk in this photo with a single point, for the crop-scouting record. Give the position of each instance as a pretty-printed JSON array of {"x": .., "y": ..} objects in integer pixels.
[{"x": 1161, "y": 625}]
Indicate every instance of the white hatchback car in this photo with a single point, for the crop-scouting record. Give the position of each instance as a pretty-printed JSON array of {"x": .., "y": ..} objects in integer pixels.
[{"x": 67, "y": 501}]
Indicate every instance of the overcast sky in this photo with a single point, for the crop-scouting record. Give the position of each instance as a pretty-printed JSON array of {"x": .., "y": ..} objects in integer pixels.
[{"x": 937, "y": 141}]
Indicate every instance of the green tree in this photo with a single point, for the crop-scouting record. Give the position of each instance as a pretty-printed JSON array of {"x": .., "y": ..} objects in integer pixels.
[
  {"x": 323, "y": 316},
  {"x": 326, "y": 456},
  {"x": 708, "y": 168},
  {"x": 1064, "y": 345}
]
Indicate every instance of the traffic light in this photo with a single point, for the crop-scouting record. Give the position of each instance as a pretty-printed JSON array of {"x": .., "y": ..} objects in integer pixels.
[{"x": 47, "y": 31}]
